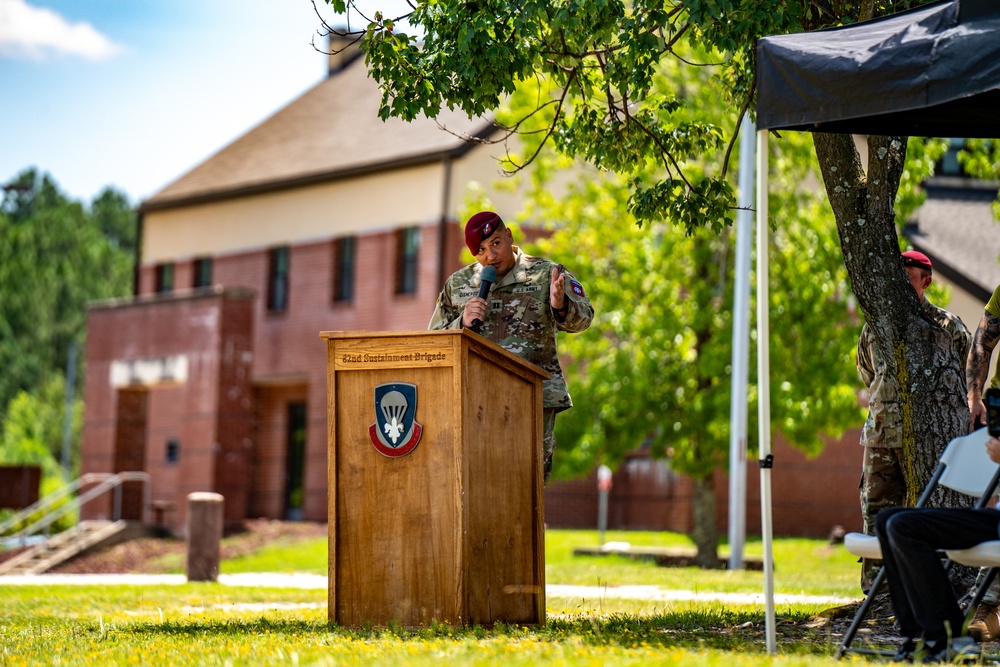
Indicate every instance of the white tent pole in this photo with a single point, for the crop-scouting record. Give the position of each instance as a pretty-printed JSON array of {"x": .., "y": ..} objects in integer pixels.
[
  {"x": 764, "y": 386},
  {"x": 741, "y": 351}
]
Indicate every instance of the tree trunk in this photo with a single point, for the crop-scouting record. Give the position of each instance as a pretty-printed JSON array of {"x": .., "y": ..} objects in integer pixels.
[
  {"x": 703, "y": 532},
  {"x": 928, "y": 373}
]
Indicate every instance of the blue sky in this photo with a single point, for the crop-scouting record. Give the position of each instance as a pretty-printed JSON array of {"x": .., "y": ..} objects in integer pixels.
[{"x": 133, "y": 94}]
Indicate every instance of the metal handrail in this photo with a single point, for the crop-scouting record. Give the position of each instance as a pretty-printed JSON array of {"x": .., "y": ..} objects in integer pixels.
[
  {"x": 52, "y": 498},
  {"x": 105, "y": 482}
]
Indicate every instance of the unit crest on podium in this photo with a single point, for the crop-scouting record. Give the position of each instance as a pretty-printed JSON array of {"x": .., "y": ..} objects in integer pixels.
[{"x": 395, "y": 431}]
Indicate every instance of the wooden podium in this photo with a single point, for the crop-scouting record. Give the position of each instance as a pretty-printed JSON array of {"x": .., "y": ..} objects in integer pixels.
[{"x": 435, "y": 480}]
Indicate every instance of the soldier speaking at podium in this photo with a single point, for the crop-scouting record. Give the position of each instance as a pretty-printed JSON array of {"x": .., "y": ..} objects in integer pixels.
[{"x": 530, "y": 299}]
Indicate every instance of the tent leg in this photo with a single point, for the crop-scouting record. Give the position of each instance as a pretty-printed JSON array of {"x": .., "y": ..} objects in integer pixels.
[{"x": 764, "y": 388}]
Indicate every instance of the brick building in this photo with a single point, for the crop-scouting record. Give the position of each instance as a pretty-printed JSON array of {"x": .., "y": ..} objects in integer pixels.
[{"x": 212, "y": 376}]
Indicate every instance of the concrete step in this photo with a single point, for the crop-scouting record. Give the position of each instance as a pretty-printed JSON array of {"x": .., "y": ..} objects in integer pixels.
[{"x": 61, "y": 547}]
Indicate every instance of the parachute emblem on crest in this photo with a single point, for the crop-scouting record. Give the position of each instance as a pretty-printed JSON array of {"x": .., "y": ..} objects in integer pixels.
[{"x": 395, "y": 431}]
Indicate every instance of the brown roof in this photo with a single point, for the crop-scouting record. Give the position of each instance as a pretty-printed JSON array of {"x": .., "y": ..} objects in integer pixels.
[
  {"x": 955, "y": 227},
  {"x": 332, "y": 130}
]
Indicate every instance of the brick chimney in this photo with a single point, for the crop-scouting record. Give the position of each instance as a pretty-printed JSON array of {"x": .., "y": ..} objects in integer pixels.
[{"x": 342, "y": 50}]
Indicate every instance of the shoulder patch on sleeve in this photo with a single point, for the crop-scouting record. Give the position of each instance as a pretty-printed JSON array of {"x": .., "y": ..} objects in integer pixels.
[{"x": 577, "y": 288}]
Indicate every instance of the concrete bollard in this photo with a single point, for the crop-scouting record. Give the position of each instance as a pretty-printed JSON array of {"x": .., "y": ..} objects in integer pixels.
[{"x": 204, "y": 536}]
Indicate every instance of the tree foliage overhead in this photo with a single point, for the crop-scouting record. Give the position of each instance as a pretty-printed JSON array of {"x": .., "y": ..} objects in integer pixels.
[{"x": 600, "y": 60}]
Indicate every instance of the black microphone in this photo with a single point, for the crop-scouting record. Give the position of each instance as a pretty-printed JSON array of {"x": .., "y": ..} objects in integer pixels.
[{"x": 486, "y": 278}]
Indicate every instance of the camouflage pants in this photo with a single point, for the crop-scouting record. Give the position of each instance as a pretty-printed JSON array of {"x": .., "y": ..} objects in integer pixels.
[
  {"x": 548, "y": 439},
  {"x": 883, "y": 484},
  {"x": 992, "y": 596}
]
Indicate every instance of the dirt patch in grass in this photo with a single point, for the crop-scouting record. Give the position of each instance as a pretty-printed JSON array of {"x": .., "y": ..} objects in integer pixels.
[
  {"x": 877, "y": 631},
  {"x": 146, "y": 555}
]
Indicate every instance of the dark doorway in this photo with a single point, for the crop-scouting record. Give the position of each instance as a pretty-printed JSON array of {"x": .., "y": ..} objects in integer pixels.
[
  {"x": 130, "y": 449},
  {"x": 295, "y": 438}
]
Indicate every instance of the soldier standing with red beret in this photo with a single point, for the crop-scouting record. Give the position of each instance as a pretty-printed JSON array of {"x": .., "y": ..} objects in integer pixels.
[
  {"x": 883, "y": 472},
  {"x": 531, "y": 299}
]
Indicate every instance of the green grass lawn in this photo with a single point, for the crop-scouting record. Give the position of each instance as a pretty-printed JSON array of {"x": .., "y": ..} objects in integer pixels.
[
  {"x": 309, "y": 556},
  {"x": 801, "y": 566},
  {"x": 211, "y": 624}
]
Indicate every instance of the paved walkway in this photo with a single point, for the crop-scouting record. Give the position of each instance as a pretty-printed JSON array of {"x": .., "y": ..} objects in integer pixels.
[{"x": 318, "y": 581}]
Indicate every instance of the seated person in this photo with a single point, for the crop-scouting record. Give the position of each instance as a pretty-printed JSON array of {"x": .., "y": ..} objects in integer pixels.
[{"x": 921, "y": 592}]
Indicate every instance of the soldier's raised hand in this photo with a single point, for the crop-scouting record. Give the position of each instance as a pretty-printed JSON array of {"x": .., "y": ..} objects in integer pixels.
[{"x": 557, "y": 289}]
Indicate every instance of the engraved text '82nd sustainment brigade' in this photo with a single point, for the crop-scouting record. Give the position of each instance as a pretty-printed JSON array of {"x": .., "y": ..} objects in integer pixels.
[{"x": 395, "y": 431}]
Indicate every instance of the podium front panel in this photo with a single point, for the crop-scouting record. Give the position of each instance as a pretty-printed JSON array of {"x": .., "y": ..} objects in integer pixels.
[
  {"x": 395, "y": 562},
  {"x": 450, "y": 531}
]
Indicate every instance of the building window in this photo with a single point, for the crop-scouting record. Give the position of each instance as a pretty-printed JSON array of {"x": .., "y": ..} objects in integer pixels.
[
  {"x": 277, "y": 280},
  {"x": 173, "y": 453},
  {"x": 343, "y": 269},
  {"x": 948, "y": 165},
  {"x": 202, "y": 272},
  {"x": 165, "y": 277},
  {"x": 295, "y": 461},
  {"x": 407, "y": 249}
]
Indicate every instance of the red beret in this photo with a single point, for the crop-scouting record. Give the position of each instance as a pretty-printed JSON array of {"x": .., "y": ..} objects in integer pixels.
[
  {"x": 917, "y": 259},
  {"x": 480, "y": 226}
]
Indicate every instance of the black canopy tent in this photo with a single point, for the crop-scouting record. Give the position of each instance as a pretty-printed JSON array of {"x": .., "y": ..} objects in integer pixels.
[{"x": 931, "y": 71}]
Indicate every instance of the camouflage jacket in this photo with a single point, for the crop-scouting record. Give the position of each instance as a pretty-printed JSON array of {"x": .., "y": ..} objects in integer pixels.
[
  {"x": 884, "y": 425},
  {"x": 993, "y": 308},
  {"x": 520, "y": 318}
]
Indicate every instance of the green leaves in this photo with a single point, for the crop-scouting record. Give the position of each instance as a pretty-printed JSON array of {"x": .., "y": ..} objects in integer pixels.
[
  {"x": 470, "y": 58},
  {"x": 629, "y": 87},
  {"x": 606, "y": 66},
  {"x": 33, "y": 428},
  {"x": 707, "y": 201},
  {"x": 55, "y": 256}
]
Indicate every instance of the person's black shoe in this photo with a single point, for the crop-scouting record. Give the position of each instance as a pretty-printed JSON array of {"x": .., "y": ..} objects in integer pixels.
[
  {"x": 959, "y": 649},
  {"x": 905, "y": 651}
]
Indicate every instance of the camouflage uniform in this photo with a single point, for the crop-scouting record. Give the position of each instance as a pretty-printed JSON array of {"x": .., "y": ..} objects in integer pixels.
[
  {"x": 993, "y": 308},
  {"x": 992, "y": 596},
  {"x": 522, "y": 321},
  {"x": 883, "y": 471}
]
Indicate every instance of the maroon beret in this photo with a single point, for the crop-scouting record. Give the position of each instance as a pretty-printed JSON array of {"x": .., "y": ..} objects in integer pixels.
[
  {"x": 480, "y": 226},
  {"x": 917, "y": 259}
]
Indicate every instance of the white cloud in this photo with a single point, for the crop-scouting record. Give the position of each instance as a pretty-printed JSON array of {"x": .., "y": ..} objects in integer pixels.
[{"x": 35, "y": 32}]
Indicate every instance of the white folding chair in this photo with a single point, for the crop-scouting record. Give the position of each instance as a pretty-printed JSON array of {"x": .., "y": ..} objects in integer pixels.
[
  {"x": 964, "y": 467},
  {"x": 984, "y": 554}
]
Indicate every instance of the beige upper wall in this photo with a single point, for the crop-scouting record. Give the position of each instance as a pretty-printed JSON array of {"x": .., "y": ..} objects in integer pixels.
[
  {"x": 482, "y": 167},
  {"x": 507, "y": 193},
  {"x": 349, "y": 206},
  {"x": 374, "y": 202}
]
